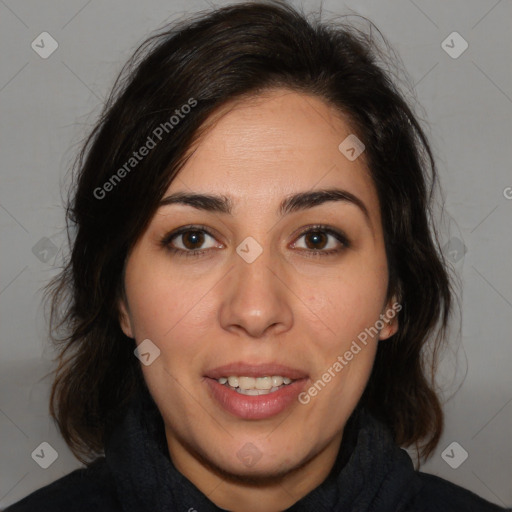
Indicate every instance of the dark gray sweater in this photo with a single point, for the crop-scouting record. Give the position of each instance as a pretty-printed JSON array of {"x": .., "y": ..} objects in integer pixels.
[{"x": 371, "y": 474}]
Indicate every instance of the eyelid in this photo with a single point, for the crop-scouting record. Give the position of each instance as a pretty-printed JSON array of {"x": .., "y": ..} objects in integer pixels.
[{"x": 336, "y": 233}]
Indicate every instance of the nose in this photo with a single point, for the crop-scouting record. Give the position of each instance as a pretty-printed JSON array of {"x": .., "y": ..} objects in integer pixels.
[{"x": 255, "y": 299}]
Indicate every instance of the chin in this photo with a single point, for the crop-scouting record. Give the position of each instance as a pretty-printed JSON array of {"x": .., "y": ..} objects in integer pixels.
[
  {"x": 259, "y": 474},
  {"x": 251, "y": 466}
]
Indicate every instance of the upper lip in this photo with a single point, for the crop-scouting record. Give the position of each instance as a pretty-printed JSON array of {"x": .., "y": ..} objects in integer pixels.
[{"x": 241, "y": 369}]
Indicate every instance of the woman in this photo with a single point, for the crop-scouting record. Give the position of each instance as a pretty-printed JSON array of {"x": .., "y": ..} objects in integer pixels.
[{"x": 252, "y": 282}]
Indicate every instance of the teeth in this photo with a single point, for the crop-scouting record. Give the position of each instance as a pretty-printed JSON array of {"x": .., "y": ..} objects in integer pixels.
[
  {"x": 252, "y": 392},
  {"x": 277, "y": 381},
  {"x": 255, "y": 385},
  {"x": 263, "y": 383},
  {"x": 246, "y": 382}
]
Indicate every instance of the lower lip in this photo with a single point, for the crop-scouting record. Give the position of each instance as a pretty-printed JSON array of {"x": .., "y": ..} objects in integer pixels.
[{"x": 255, "y": 407}]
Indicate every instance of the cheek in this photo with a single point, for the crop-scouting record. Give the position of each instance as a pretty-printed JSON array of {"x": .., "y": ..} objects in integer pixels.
[
  {"x": 344, "y": 353},
  {"x": 163, "y": 304},
  {"x": 343, "y": 340},
  {"x": 349, "y": 303}
]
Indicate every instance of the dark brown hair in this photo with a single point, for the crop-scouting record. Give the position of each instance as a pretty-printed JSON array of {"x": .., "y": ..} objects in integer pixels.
[{"x": 230, "y": 53}]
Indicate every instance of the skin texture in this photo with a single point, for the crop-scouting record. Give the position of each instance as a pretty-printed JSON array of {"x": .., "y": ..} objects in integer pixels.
[{"x": 302, "y": 311}]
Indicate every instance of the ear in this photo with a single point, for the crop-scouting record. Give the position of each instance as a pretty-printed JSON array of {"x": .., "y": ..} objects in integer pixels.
[
  {"x": 124, "y": 319},
  {"x": 389, "y": 316}
]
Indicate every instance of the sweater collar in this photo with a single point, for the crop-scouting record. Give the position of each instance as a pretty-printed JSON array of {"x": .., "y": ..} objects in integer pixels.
[{"x": 370, "y": 472}]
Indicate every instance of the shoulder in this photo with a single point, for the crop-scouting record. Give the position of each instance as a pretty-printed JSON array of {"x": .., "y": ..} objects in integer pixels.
[
  {"x": 89, "y": 489},
  {"x": 436, "y": 494}
]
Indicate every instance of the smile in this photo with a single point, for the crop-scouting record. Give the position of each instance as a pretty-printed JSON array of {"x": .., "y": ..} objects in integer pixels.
[{"x": 254, "y": 392}]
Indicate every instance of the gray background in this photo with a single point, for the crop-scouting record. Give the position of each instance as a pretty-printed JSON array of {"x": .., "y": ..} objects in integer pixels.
[{"x": 48, "y": 106}]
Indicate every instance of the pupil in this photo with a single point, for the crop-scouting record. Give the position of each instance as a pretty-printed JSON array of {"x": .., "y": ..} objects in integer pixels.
[
  {"x": 195, "y": 238},
  {"x": 316, "y": 237}
]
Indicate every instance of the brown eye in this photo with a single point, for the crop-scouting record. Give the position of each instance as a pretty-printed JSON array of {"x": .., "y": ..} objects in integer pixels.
[
  {"x": 190, "y": 241},
  {"x": 322, "y": 241},
  {"x": 316, "y": 240},
  {"x": 193, "y": 239}
]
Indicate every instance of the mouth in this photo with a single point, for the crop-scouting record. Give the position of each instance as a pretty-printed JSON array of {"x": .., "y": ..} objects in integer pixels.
[{"x": 255, "y": 391}]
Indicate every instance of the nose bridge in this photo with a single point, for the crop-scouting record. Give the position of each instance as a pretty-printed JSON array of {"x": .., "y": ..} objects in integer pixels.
[
  {"x": 255, "y": 298},
  {"x": 252, "y": 267}
]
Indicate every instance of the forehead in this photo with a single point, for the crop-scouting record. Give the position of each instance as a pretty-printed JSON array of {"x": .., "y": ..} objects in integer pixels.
[{"x": 273, "y": 144}]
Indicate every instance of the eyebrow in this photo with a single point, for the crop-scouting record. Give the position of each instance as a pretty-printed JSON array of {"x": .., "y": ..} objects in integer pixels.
[{"x": 296, "y": 202}]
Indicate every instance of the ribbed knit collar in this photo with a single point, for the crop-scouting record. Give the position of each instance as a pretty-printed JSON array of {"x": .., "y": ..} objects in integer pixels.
[{"x": 370, "y": 473}]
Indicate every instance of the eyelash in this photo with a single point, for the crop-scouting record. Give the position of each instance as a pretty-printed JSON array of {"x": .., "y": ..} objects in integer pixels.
[{"x": 318, "y": 228}]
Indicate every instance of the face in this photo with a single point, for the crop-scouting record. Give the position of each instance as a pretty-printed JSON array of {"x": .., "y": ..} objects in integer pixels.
[{"x": 262, "y": 291}]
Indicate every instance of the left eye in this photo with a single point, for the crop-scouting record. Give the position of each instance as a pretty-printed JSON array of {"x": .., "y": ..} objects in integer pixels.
[{"x": 321, "y": 240}]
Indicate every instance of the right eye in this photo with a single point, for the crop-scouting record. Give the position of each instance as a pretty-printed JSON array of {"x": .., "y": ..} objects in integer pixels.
[{"x": 187, "y": 241}]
